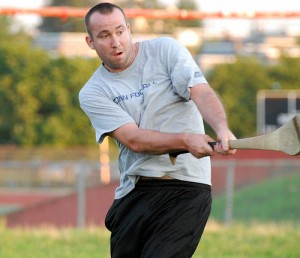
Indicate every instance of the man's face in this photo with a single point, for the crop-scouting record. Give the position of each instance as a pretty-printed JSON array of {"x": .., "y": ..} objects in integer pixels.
[{"x": 111, "y": 39}]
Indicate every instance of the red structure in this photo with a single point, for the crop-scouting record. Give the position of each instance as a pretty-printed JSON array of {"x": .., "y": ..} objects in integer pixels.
[
  {"x": 65, "y": 12},
  {"x": 62, "y": 211}
]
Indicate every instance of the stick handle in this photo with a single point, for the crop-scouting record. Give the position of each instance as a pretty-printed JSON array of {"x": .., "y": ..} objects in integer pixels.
[
  {"x": 173, "y": 155},
  {"x": 258, "y": 143},
  {"x": 247, "y": 143}
]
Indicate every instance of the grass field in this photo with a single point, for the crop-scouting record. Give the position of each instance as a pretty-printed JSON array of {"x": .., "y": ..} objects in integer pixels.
[
  {"x": 274, "y": 205},
  {"x": 277, "y": 200},
  {"x": 238, "y": 241}
]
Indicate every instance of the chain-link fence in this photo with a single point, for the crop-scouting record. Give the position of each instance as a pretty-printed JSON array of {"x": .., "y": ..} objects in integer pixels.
[
  {"x": 231, "y": 177},
  {"x": 70, "y": 193}
]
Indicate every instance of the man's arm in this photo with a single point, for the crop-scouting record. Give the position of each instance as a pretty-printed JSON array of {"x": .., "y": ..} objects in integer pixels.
[
  {"x": 155, "y": 142},
  {"x": 214, "y": 114}
]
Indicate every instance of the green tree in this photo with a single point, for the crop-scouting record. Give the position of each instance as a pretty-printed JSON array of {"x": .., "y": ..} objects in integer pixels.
[
  {"x": 50, "y": 24},
  {"x": 237, "y": 84},
  {"x": 14, "y": 60},
  {"x": 286, "y": 74},
  {"x": 62, "y": 120},
  {"x": 147, "y": 26},
  {"x": 188, "y": 5},
  {"x": 39, "y": 95}
]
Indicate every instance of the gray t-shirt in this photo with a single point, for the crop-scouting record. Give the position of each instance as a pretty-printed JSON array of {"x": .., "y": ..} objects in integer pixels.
[{"x": 153, "y": 93}]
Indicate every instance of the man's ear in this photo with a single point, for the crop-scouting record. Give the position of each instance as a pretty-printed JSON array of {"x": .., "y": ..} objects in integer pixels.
[
  {"x": 90, "y": 42},
  {"x": 128, "y": 27}
]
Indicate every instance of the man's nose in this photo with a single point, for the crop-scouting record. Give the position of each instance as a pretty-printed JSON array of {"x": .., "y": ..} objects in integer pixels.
[{"x": 115, "y": 41}]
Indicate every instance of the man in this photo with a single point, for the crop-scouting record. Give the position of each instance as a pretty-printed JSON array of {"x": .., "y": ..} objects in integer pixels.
[{"x": 150, "y": 97}]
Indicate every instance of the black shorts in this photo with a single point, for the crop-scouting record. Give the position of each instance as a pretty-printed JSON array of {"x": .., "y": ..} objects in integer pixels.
[{"x": 159, "y": 219}]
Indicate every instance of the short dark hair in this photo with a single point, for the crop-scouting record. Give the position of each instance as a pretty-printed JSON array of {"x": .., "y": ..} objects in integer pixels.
[{"x": 103, "y": 8}]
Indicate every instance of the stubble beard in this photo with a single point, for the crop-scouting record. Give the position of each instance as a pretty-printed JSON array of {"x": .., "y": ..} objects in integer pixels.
[{"x": 123, "y": 63}]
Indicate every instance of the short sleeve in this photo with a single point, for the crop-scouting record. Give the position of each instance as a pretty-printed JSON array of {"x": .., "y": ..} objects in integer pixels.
[
  {"x": 105, "y": 115},
  {"x": 184, "y": 71}
]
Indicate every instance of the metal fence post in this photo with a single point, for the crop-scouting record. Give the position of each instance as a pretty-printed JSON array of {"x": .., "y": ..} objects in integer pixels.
[
  {"x": 229, "y": 192},
  {"x": 81, "y": 187}
]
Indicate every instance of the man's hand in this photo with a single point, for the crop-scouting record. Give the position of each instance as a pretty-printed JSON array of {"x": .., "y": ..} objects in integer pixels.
[
  {"x": 222, "y": 146},
  {"x": 198, "y": 145}
]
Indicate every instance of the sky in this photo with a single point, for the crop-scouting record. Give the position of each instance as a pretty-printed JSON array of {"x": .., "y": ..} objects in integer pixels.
[
  {"x": 205, "y": 5},
  {"x": 249, "y": 5}
]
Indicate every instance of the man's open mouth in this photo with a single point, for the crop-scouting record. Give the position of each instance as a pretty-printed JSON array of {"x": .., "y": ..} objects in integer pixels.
[{"x": 118, "y": 54}]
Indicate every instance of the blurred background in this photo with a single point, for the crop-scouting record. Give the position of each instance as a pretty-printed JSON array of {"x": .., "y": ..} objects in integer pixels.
[{"x": 52, "y": 172}]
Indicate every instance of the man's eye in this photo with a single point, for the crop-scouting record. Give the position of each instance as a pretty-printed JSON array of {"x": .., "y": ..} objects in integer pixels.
[{"x": 104, "y": 36}]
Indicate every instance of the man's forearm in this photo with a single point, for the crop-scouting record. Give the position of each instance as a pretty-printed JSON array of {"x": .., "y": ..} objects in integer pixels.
[
  {"x": 149, "y": 141},
  {"x": 210, "y": 107},
  {"x": 154, "y": 142},
  {"x": 157, "y": 143}
]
